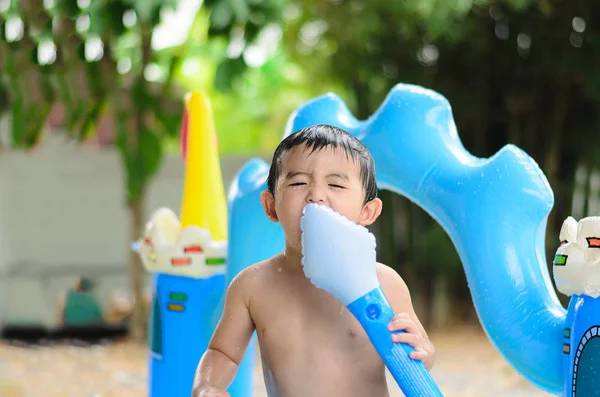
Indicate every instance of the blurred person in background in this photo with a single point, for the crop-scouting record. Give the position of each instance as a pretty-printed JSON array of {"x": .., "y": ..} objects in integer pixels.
[{"x": 79, "y": 307}]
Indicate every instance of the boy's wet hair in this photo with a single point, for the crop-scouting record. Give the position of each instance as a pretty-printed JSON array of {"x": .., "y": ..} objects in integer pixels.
[{"x": 320, "y": 136}]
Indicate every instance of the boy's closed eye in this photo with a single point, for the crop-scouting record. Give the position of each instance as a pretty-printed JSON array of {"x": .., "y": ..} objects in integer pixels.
[{"x": 333, "y": 185}]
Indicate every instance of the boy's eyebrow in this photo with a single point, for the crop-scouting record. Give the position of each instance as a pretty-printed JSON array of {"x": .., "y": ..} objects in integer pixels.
[
  {"x": 292, "y": 174},
  {"x": 338, "y": 175}
]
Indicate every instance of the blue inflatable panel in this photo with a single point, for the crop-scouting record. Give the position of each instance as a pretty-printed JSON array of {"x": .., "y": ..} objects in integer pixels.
[
  {"x": 494, "y": 210},
  {"x": 252, "y": 236},
  {"x": 581, "y": 348},
  {"x": 180, "y": 330}
]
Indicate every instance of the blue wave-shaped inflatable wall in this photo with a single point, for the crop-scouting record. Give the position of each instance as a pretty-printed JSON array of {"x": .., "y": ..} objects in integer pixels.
[{"x": 494, "y": 210}]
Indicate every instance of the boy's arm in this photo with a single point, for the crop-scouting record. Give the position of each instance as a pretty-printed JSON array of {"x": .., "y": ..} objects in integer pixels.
[
  {"x": 227, "y": 347},
  {"x": 397, "y": 293}
]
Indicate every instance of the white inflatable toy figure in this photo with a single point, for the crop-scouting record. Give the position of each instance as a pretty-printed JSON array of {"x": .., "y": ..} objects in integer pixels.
[
  {"x": 576, "y": 270},
  {"x": 577, "y": 260},
  {"x": 190, "y": 252}
]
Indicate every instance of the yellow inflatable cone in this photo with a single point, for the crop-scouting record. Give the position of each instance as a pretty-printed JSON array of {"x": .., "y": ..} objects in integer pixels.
[{"x": 204, "y": 202}]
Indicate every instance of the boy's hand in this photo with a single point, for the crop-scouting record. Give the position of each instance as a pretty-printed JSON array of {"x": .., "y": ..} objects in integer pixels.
[{"x": 411, "y": 336}]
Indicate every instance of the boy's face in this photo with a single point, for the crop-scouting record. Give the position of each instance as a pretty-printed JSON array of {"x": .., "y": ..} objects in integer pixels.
[{"x": 326, "y": 176}]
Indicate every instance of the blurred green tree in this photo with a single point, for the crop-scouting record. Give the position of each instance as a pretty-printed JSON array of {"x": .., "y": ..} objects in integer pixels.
[
  {"x": 515, "y": 71},
  {"x": 518, "y": 71},
  {"x": 101, "y": 60},
  {"x": 94, "y": 58},
  {"x": 27, "y": 93}
]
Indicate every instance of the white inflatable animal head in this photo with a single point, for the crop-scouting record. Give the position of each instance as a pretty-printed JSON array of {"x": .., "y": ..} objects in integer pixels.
[
  {"x": 576, "y": 264},
  {"x": 191, "y": 252}
]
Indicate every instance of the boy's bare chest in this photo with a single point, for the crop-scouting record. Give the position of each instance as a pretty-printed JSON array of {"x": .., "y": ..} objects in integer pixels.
[{"x": 294, "y": 317}]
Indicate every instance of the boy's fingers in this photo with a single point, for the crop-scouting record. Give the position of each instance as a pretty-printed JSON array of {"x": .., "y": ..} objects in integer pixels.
[
  {"x": 412, "y": 339},
  {"x": 418, "y": 355},
  {"x": 399, "y": 317},
  {"x": 403, "y": 324}
]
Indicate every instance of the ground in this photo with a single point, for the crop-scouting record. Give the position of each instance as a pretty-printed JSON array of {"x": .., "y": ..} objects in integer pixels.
[{"x": 467, "y": 365}]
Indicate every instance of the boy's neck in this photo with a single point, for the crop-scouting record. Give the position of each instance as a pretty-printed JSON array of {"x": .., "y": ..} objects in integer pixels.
[{"x": 293, "y": 258}]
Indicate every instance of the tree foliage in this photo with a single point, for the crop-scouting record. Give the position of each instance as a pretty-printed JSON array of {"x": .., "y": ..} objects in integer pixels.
[
  {"x": 514, "y": 71},
  {"x": 518, "y": 71},
  {"x": 99, "y": 61}
]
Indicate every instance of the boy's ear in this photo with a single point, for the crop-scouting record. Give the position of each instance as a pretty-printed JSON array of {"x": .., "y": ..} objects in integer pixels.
[
  {"x": 268, "y": 202},
  {"x": 371, "y": 212}
]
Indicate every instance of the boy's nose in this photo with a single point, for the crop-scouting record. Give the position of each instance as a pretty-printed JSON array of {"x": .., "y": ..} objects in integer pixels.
[{"x": 316, "y": 195}]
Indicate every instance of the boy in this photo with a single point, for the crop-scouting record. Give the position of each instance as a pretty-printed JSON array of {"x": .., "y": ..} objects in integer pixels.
[{"x": 310, "y": 344}]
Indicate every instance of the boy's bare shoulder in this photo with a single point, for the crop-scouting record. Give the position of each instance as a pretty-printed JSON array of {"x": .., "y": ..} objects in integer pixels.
[
  {"x": 390, "y": 280},
  {"x": 256, "y": 275},
  {"x": 385, "y": 272}
]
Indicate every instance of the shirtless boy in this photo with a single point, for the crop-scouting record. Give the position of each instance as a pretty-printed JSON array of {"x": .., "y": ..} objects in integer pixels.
[{"x": 309, "y": 343}]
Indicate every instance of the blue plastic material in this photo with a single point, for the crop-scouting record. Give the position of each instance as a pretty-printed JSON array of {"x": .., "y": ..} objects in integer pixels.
[
  {"x": 374, "y": 313},
  {"x": 494, "y": 210},
  {"x": 177, "y": 339},
  {"x": 581, "y": 348}
]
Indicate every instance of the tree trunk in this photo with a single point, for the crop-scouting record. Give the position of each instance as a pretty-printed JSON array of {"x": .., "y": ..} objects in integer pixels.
[
  {"x": 514, "y": 112},
  {"x": 594, "y": 193},
  {"x": 422, "y": 295},
  {"x": 440, "y": 302},
  {"x": 362, "y": 94},
  {"x": 480, "y": 126},
  {"x": 139, "y": 317},
  {"x": 552, "y": 164},
  {"x": 409, "y": 267},
  {"x": 552, "y": 158},
  {"x": 584, "y": 189}
]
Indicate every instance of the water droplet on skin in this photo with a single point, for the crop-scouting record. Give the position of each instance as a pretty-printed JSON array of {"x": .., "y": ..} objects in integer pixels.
[{"x": 279, "y": 269}]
